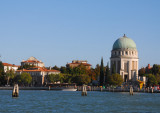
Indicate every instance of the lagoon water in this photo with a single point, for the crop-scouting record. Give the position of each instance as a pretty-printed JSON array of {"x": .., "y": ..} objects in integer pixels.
[{"x": 31, "y": 101}]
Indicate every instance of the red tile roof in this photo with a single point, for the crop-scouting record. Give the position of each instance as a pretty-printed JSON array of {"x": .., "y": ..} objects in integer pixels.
[
  {"x": 25, "y": 70},
  {"x": 32, "y": 61},
  {"x": 39, "y": 69},
  {"x": 6, "y": 64},
  {"x": 85, "y": 64}
]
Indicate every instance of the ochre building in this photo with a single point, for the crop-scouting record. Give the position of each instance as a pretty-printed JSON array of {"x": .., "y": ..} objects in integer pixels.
[{"x": 76, "y": 63}]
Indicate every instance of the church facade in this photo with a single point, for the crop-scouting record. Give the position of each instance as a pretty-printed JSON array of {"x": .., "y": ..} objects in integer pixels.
[{"x": 124, "y": 59}]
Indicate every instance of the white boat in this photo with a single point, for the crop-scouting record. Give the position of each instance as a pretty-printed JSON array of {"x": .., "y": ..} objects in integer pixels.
[{"x": 69, "y": 89}]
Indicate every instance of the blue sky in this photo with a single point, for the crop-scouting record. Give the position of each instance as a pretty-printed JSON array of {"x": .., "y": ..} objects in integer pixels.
[{"x": 59, "y": 31}]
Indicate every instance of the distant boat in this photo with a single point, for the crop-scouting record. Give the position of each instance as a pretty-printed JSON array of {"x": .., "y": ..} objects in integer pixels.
[{"x": 69, "y": 89}]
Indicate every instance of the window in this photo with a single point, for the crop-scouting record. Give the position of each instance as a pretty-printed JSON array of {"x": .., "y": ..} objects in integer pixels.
[
  {"x": 133, "y": 65},
  {"x": 126, "y": 67},
  {"x": 126, "y": 53}
]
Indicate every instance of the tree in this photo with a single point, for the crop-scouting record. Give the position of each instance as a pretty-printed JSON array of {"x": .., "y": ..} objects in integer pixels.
[
  {"x": 148, "y": 70},
  {"x": 2, "y": 80},
  {"x": 107, "y": 74},
  {"x": 113, "y": 69},
  {"x": 158, "y": 78},
  {"x": 24, "y": 79},
  {"x": 101, "y": 73},
  {"x": 67, "y": 78},
  {"x": 2, "y": 77},
  {"x": 1, "y": 68},
  {"x": 116, "y": 79},
  {"x": 82, "y": 68},
  {"x": 69, "y": 70},
  {"x": 55, "y": 67},
  {"x": 9, "y": 75},
  {"x": 53, "y": 78},
  {"x": 82, "y": 79},
  {"x": 92, "y": 74},
  {"x": 63, "y": 69},
  {"x": 155, "y": 69},
  {"x": 97, "y": 71},
  {"x": 142, "y": 72},
  {"x": 151, "y": 80}
]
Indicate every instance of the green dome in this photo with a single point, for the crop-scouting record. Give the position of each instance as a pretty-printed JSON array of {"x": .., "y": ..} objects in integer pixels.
[{"x": 124, "y": 43}]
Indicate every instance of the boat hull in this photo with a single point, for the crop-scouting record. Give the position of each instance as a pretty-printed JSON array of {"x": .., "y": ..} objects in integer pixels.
[{"x": 69, "y": 89}]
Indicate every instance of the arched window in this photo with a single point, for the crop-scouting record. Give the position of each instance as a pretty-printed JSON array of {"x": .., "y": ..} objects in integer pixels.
[{"x": 126, "y": 52}]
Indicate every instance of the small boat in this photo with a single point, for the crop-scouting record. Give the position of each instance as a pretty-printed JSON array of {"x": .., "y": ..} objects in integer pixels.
[{"x": 69, "y": 89}]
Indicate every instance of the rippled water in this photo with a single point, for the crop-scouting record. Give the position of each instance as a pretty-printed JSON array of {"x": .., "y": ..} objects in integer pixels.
[{"x": 72, "y": 102}]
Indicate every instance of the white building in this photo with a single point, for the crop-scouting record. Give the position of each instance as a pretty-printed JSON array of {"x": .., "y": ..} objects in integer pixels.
[
  {"x": 38, "y": 74},
  {"x": 124, "y": 58},
  {"x": 38, "y": 71},
  {"x": 10, "y": 67},
  {"x": 32, "y": 61}
]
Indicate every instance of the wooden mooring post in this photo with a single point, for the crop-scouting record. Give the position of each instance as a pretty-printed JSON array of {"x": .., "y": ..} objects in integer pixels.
[
  {"x": 15, "y": 92},
  {"x": 131, "y": 90},
  {"x": 151, "y": 90},
  {"x": 101, "y": 88},
  {"x": 84, "y": 90},
  {"x": 148, "y": 89}
]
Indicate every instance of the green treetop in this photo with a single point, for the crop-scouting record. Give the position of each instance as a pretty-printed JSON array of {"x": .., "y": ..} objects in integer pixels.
[{"x": 102, "y": 73}]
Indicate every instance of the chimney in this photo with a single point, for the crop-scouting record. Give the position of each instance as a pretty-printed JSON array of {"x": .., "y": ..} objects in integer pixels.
[{"x": 149, "y": 67}]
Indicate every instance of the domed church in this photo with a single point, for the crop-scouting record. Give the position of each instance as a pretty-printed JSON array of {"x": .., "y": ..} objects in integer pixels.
[{"x": 124, "y": 58}]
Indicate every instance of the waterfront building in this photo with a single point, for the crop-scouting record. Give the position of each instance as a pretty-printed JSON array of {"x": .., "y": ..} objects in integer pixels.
[
  {"x": 124, "y": 58},
  {"x": 32, "y": 61},
  {"x": 76, "y": 63},
  {"x": 38, "y": 72},
  {"x": 8, "y": 66}
]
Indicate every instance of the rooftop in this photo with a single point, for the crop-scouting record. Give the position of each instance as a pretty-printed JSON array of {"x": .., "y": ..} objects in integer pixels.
[{"x": 7, "y": 64}]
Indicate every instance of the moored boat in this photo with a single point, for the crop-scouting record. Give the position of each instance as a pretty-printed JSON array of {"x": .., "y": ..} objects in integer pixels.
[{"x": 69, "y": 89}]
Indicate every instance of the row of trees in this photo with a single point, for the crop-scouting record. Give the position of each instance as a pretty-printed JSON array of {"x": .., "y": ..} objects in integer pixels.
[
  {"x": 152, "y": 74},
  {"x": 68, "y": 78},
  {"x": 107, "y": 79},
  {"x": 81, "y": 75}
]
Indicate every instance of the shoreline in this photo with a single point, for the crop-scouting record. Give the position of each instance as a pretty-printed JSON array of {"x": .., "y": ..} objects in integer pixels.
[
  {"x": 32, "y": 88},
  {"x": 79, "y": 89}
]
